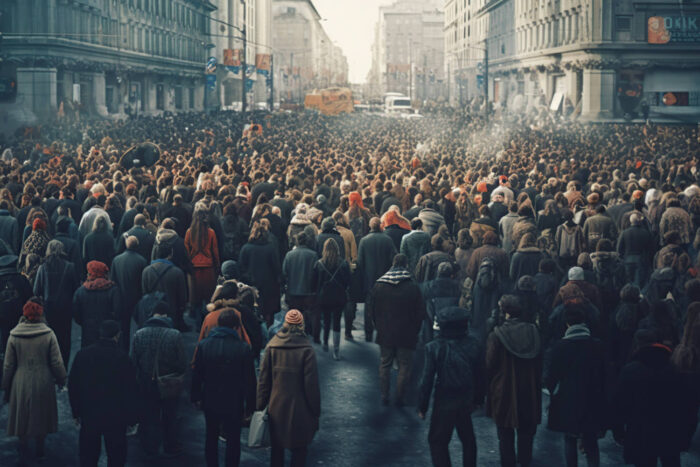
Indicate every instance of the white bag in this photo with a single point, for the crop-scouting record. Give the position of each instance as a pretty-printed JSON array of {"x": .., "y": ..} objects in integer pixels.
[{"x": 259, "y": 433}]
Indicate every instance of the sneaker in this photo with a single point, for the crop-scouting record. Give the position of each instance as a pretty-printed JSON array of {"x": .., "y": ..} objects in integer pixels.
[
  {"x": 336, "y": 354},
  {"x": 348, "y": 336}
]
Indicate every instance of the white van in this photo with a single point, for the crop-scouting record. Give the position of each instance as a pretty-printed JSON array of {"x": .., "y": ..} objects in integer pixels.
[{"x": 397, "y": 105}]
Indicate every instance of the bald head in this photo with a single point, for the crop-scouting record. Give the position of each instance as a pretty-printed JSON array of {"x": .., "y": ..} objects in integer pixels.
[
  {"x": 140, "y": 219},
  {"x": 132, "y": 242},
  {"x": 375, "y": 225}
]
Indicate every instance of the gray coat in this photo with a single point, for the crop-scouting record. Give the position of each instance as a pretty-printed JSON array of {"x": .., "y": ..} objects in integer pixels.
[
  {"x": 126, "y": 271},
  {"x": 374, "y": 258}
]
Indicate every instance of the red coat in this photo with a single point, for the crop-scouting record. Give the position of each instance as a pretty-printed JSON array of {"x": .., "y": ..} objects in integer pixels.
[{"x": 208, "y": 255}]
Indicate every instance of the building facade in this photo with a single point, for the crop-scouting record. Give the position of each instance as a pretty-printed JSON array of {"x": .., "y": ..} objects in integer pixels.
[
  {"x": 408, "y": 51},
  {"x": 107, "y": 57},
  {"x": 305, "y": 57},
  {"x": 598, "y": 59}
]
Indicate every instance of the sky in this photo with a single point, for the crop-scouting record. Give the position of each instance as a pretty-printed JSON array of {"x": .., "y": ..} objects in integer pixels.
[{"x": 350, "y": 24}]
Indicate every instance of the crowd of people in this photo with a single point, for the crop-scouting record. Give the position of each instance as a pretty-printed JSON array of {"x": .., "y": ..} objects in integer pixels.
[{"x": 519, "y": 256}]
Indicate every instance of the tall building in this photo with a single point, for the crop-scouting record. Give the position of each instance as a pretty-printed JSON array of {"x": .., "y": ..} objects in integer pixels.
[
  {"x": 106, "y": 56},
  {"x": 408, "y": 51},
  {"x": 305, "y": 57},
  {"x": 227, "y": 26},
  {"x": 596, "y": 58}
]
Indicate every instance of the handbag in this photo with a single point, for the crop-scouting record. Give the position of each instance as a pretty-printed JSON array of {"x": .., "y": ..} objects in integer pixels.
[
  {"x": 259, "y": 433},
  {"x": 170, "y": 385}
]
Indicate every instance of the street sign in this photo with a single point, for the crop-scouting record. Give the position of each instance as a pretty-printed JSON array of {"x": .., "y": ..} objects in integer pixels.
[
  {"x": 480, "y": 67},
  {"x": 211, "y": 66}
]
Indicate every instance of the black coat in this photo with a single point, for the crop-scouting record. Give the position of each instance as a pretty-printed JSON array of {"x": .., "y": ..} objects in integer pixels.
[
  {"x": 172, "y": 284},
  {"x": 102, "y": 387},
  {"x": 12, "y": 302},
  {"x": 157, "y": 333},
  {"x": 525, "y": 262},
  {"x": 398, "y": 312},
  {"x": 223, "y": 375},
  {"x": 260, "y": 264},
  {"x": 332, "y": 284},
  {"x": 126, "y": 272},
  {"x": 374, "y": 257},
  {"x": 91, "y": 307},
  {"x": 396, "y": 233},
  {"x": 56, "y": 282},
  {"x": 651, "y": 401},
  {"x": 145, "y": 237},
  {"x": 72, "y": 251},
  {"x": 575, "y": 377},
  {"x": 98, "y": 246},
  {"x": 335, "y": 236}
]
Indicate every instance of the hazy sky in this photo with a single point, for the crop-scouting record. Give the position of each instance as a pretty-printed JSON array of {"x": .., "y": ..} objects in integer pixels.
[{"x": 350, "y": 23}]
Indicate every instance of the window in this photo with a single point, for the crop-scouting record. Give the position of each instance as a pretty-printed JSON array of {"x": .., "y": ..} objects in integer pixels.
[
  {"x": 178, "y": 97},
  {"x": 160, "y": 97},
  {"x": 623, "y": 23},
  {"x": 191, "y": 98}
]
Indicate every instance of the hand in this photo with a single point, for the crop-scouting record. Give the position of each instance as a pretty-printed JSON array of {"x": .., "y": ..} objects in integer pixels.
[{"x": 421, "y": 415}]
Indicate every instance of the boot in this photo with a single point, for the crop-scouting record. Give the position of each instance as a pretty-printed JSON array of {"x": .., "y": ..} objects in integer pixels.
[{"x": 336, "y": 345}]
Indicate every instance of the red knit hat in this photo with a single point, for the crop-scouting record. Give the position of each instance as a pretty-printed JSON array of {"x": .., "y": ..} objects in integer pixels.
[
  {"x": 32, "y": 310},
  {"x": 38, "y": 224},
  {"x": 97, "y": 269},
  {"x": 481, "y": 187},
  {"x": 294, "y": 317}
]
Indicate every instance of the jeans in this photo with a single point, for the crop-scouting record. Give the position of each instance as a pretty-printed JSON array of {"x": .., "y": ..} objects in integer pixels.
[
  {"x": 331, "y": 313},
  {"x": 159, "y": 424},
  {"x": 405, "y": 360},
  {"x": 91, "y": 446},
  {"x": 349, "y": 312},
  {"x": 506, "y": 445},
  {"x": 443, "y": 421},
  {"x": 298, "y": 457},
  {"x": 590, "y": 446},
  {"x": 369, "y": 323},
  {"x": 230, "y": 426}
]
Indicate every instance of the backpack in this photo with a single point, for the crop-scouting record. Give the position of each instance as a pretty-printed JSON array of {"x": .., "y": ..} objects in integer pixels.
[
  {"x": 567, "y": 243},
  {"x": 607, "y": 273},
  {"x": 147, "y": 303},
  {"x": 332, "y": 291},
  {"x": 487, "y": 274},
  {"x": 455, "y": 370}
]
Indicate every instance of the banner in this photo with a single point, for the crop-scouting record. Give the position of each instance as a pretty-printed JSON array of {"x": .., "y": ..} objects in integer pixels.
[
  {"x": 249, "y": 69},
  {"x": 210, "y": 68},
  {"x": 262, "y": 62},
  {"x": 673, "y": 29},
  {"x": 398, "y": 67},
  {"x": 232, "y": 57}
]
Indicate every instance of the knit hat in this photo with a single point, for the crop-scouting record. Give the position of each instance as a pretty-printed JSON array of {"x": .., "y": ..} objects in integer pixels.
[
  {"x": 38, "y": 224},
  {"x": 97, "y": 269},
  {"x": 593, "y": 198},
  {"x": 576, "y": 274},
  {"x": 481, "y": 187},
  {"x": 320, "y": 199},
  {"x": 294, "y": 317},
  {"x": 230, "y": 270},
  {"x": 637, "y": 194},
  {"x": 32, "y": 310},
  {"x": 355, "y": 199}
]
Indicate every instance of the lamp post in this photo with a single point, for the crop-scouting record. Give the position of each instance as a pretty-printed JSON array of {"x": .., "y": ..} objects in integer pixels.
[{"x": 244, "y": 100}]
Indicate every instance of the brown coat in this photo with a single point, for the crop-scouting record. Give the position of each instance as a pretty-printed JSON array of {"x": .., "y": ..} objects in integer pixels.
[
  {"x": 514, "y": 375},
  {"x": 288, "y": 386},
  {"x": 498, "y": 255},
  {"x": 32, "y": 366}
]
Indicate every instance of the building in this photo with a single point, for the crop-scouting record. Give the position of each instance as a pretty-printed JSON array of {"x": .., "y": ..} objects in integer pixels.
[
  {"x": 305, "y": 57},
  {"x": 598, "y": 59},
  {"x": 408, "y": 51},
  {"x": 106, "y": 57},
  {"x": 227, "y": 26}
]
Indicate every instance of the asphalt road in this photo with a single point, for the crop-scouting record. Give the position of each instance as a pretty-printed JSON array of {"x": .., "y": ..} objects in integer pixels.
[{"x": 356, "y": 430}]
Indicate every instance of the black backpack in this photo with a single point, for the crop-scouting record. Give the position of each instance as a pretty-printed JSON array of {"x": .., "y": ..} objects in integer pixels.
[
  {"x": 147, "y": 303},
  {"x": 487, "y": 273},
  {"x": 455, "y": 369}
]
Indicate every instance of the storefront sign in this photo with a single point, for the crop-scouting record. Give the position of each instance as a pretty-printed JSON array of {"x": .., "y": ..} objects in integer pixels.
[{"x": 673, "y": 29}]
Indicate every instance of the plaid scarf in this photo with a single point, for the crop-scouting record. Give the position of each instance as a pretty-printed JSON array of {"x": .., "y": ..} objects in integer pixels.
[{"x": 394, "y": 276}]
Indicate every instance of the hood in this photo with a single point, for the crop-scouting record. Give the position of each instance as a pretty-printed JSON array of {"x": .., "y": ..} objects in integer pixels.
[
  {"x": 25, "y": 328},
  {"x": 220, "y": 331},
  {"x": 603, "y": 255},
  {"x": 529, "y": 249},
  {"x": 166, "y": 236},
  {"x": 655, "y": 355},
  {"x": 223, "y": 303},
  {"x": 158, "y": 322},
  {"x": 285, "y": 339},
  {"x": 519, "y": 338}
]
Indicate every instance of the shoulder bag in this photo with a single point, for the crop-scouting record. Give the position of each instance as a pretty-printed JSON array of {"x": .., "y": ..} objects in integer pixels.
[{"x": 170, "y": 385}]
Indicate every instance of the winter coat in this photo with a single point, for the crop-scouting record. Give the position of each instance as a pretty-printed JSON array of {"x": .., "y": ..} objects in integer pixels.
[
  {"x": 598, "y": 227},
  {"x": 15, "y": 290},
  {"x": 205, "y": 255},
  {"x": 414, "y": 245},
  {"x": 223, "y": 375},
  {"x": 288, "y": 386},
  {"x": 330, "y": 234},
  {"x": 73, "y": 253},
  {"x": 557, "y": 322},
  {"x": 350, "y": 244},
  {"x": 32, "y": 366},
  {"x": 9, "y": 230},
  {"x": 260, "y": 264},
  {"x": 432, "y": 220},
  {"x": 36, "y": 244},
  {"x": 570, "y": 241},
  {"x": 426, "y": 269},
  {"x": 651, "y": 402},
  {"x": 102, "y": 387},
  {"x": 479, "y": 228},
  {"x": 678, "y": 219},
  {"x": 636, "y": 241},
  {"x": 332, "y": 284},
  {"x": 180, "y": 257},
  {"x": 396, "y": 234},
  {"x": 525, "y": 262},
  {"x": 211, "y": 320},
  {"x": 98, "y": 246},
  {"x": 146, "y": 241},
  {"x": 514, "y": 375},
  {"x": 590, "y": 291},
  {"x": 522, "y": 226},
  {"x": 157, "y": 333},
  {"x": 56, "y": 282},
  {"x": 93, "y": 304},
  {"x": 499, "y": 257},
  {"x": 235, "y": 233},
  {"x": 298, "y": 271},
  {"x": 374, "y": 257},
  {"x": 398, "y": 312},
  {"x": 172, "y": 283},
  {"x": 575, "y": 377},
  {"x": 505, "y": 230}
]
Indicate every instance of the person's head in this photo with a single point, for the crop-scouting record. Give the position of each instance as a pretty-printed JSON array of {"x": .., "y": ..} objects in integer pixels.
[
  {"x": 576, "y": 274},
  {"x": 672, "y": 237},
  {"x": 302, "y": 239},
  {"x": 294, "y": 322},
  {"x": 55, "y": 248},
  {"x": 510, "y": 306},
  {"x": 444, "y": 270},
  {"x": 110, "y": 330},
  {"x": 416, "y": 224},
  {"x": 604, "y": 245},
  {"x": 33, "y": 310},
  {"x": 132, "y": 243},
  {"x": 230, "y": 270},
  {"x": 635, "y": 219},
  {"x": 574, "y": 315},
  {"x": 164, "y": 251},
  {"x": 97, "y": 270},
  {"x": 547, "y": 266},
  {"x": 692, "y": 290},
  {"x": 140, "y": 220},
  {"x": 160, "y": 310},
  {"x": 584, "y": 261},
  {"x": 328, "y": 223},
  {"x": 490, "y": 238},
  {"x": 229, "y": 319},
  {"x": 400, "y": 261},
  {"x": 331, "y": 254},
  {"x": 375, "y": 224},
  {"x": 464, "y": 239}
]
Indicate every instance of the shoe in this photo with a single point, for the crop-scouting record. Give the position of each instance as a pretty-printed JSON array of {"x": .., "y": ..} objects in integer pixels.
[
  {"x": 336, "y": 345},
  {"x": 336, "y": 354},
  {"x": 325, "y": 347},
  {"x": 348, "y": 337},
  {"x": 132, "y": 430}
]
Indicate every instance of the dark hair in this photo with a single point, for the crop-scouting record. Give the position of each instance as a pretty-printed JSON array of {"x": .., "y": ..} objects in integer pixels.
[
  {"x": 164, "y": 251},
  {"x": 510, "y": 304},
  {"x": 604, "y": 245},
  {"x": 109, "y": 329},
  {"x": 302, "y": 239},
  {"x": 400, "y": 261},
  {"x": 416, "y": 224},
  {"x": 547, "y": 265},
  {"x": 574, "y": 315},
  {"x": 229, "y": 319}
]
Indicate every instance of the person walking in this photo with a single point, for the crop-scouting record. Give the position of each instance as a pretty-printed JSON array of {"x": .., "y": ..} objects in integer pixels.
[
  {"x": 575, "y": 378},
  {"x": 158, "y": 343},
  {"x": 203, "y": 250},
  {"x": 162, "y": 275},
  {"x": 398, "y": 310},
  {"x": 453, "y": 366},
  {"x": 297, "y": 273},
  {"x": 332, "y": 279},
  {"x": 32, "y": 366},
  {"x": 260, "y": 263},
  {"x": 223, "y": 386},
  {"x": 102, "y": 394},
  {"x": 513, "y": 372},
  {"x": 127, "y": 269},
  {"x": 56, "y": 282},
  {"x": 288, "y": 386},
  {"x": 98, "y": 299},
  {"x": 15, "y": 291}
]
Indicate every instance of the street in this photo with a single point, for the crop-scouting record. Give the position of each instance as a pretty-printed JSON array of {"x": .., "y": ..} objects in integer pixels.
[{"x": 355, "y": 430}]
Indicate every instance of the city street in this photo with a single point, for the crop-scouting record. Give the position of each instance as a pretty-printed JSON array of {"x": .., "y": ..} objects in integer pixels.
[{"x": 355, "y": 430}]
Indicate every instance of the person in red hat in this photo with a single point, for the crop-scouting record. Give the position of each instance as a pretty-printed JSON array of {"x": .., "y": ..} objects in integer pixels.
[
  {"x": 33, "y": 365},
  {"x": 290, "y": 390},
  {"x": 98, "y": 299}
]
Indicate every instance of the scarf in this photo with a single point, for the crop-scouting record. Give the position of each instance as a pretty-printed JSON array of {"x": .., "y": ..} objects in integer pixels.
[
  {"x": 577, "y": 331},
  {"x": 394, "y": 276}
]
